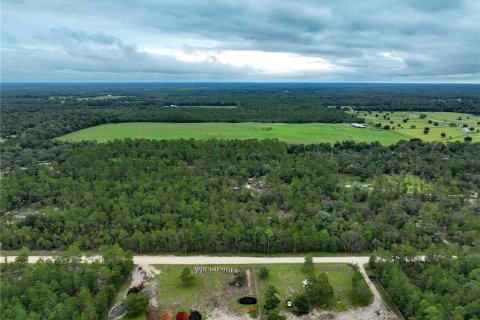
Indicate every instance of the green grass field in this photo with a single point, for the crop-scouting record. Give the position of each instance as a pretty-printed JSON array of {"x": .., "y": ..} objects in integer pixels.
[
  {"x": 174, "y": 296},
  {"x": 288, "y": 281},
  {"x": 447, "y": 122},
  {"x": 290, "y": 133},
  {"x": 212, "y": 288}
]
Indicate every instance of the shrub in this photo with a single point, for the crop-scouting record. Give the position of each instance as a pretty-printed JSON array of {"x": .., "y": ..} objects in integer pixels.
[
  {"x": 264, "y": 273},
  {"x": 468, "y": 139},
  {"x": 187, "y": 277},
  {"x": 271, "y": 299},
  {"x": 308, "y": 264},
  {"x": 319, "y": 290},
  {"x": 136, "y": 304},
  {"x": 302, "y": 304}
]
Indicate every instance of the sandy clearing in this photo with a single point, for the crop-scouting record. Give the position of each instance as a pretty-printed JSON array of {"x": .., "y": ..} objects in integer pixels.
[{"x": 377, "y": 310}]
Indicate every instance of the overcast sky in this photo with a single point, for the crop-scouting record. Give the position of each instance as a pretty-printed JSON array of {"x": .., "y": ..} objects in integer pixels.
[{"x": 241, "y": 40}]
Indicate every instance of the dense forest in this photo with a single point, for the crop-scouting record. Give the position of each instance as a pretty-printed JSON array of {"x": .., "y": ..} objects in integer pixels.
[
  {"x": 443, "y": 285},
  {"x": 245, "y": 196},
  {"x": 63, "y": 288}
]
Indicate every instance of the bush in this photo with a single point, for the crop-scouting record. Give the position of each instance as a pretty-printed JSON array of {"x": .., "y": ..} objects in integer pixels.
[
  {"x": 136, "y": 304},
  {"x": 301, "y": 304},
  {"x": 308, "y": 264},
  {"x": 187, "y": 277},
  {"x": 319, "y": 290},
  {"x": 264, "y": 273},
  {"x": 468, "y": 139},
  {"x": 271, "y": 299}
]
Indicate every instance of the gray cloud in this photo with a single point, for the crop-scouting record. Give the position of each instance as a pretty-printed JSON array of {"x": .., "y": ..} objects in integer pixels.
[{"x": 377, "y": 40}]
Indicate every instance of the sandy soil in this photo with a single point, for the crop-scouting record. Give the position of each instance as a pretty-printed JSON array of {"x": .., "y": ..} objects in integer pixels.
[{"x": 250, "y": 287}]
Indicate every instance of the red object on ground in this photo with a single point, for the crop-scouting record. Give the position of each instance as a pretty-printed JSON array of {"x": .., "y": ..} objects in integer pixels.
[{"x": 182, "y": 315}]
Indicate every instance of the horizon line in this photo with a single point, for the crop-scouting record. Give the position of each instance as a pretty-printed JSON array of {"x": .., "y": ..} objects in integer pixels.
[{"x": 228, "y": 82}]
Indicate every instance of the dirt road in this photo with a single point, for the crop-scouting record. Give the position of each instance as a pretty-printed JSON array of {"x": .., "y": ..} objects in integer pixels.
[
  {"x": 205, "y": 260},
  {"x": 375, "y": 311}
]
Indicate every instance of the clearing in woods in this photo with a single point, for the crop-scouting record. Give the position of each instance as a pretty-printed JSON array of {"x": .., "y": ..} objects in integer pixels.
[
  {"x": 443, "y": 126},
  {"x": 288, "y": 132},
  {"x": 210, "y": 289}
]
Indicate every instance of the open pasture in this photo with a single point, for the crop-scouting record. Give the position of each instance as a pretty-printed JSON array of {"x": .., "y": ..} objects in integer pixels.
[
  {"x": 290, "y": 133},
  {"x": 411, "y": 124},
  {"x": 443, "y": 126}
]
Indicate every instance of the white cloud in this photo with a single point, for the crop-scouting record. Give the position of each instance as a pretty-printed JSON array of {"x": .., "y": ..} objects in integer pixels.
[{"x": 304, "y": 40}]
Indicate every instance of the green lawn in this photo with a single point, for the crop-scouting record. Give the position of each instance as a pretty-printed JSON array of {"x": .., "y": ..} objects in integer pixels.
[
  {"x": 205, "y": 288},
  {"x": 288, "y": 281},
  {"x": 212, "y": 287},
  {"x": 290, "y": 133}
]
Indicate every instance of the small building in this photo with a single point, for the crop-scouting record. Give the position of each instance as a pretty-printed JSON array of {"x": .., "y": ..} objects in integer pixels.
[{"x": 358, "y": 125}]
